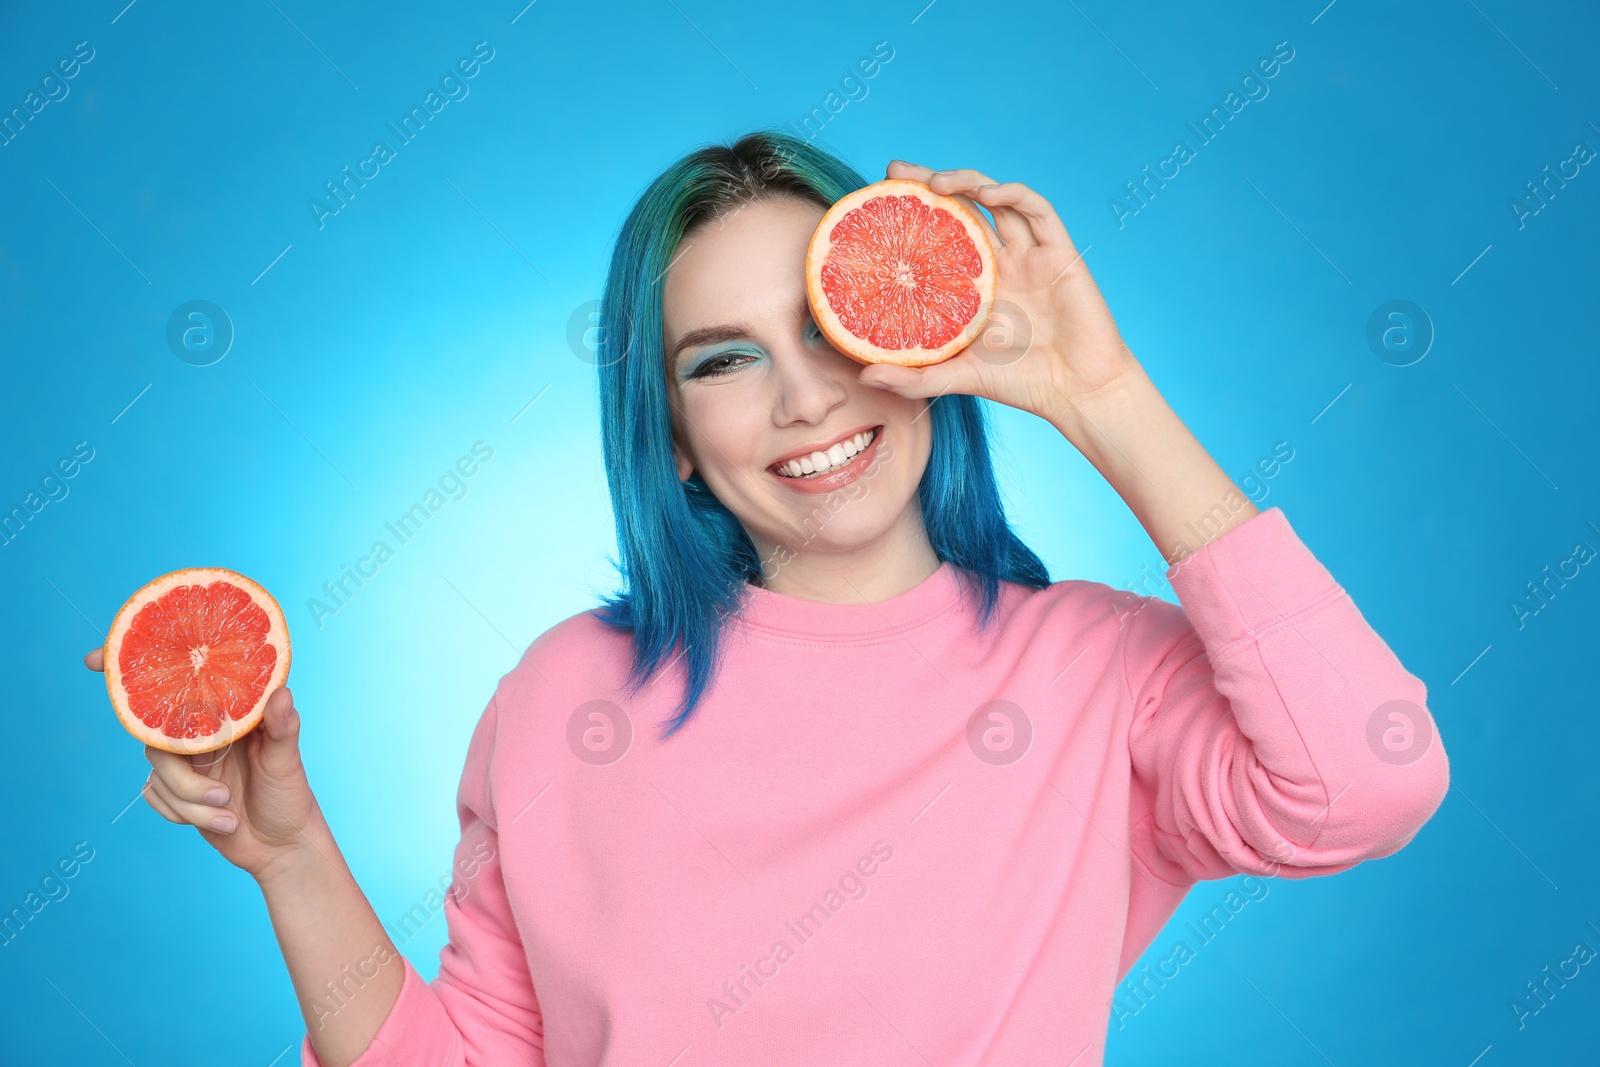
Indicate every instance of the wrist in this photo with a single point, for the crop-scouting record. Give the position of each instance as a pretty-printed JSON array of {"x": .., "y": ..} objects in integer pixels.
[
  {"x": 1131, "y": 435},
  {"x": 1101, "y": 417},
  {"x": 310, "y": 857}
]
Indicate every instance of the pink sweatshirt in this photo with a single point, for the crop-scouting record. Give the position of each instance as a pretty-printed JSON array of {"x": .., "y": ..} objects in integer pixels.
[{"x": 886, "y": 839}]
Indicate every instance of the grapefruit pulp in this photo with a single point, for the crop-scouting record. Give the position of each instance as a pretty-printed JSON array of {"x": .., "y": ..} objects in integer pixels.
[
  {"x": 192, "y": 657},
  {"x": 897, "y": 273}
]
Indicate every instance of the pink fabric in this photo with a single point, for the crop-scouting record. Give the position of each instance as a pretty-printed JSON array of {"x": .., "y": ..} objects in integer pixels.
[{"x": 821, "y": 867}]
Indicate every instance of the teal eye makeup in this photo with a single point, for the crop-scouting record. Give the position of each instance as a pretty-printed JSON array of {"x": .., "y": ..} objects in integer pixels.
[{"x": 717, "y": 364}]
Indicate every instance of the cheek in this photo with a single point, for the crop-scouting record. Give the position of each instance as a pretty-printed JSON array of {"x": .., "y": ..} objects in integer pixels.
[
  {"x": 723, "y": 432},
  {"x": 908, "y": 447},
  {"x": 889, "y": 486}
]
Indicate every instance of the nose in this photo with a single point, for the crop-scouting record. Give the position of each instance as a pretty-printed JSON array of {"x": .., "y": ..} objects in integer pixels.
[{"x": 811, "y": 383}]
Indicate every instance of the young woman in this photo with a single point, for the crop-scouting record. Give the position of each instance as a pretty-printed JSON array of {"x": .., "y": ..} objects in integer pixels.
[{"x": 841, "y": 776}]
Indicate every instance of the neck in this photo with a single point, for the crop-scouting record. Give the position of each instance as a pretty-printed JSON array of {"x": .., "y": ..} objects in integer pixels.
[{"x": 890, "y": 565}]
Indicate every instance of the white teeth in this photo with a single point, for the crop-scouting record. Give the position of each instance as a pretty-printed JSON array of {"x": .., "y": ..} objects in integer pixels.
[{"x": 822, "y": 462}]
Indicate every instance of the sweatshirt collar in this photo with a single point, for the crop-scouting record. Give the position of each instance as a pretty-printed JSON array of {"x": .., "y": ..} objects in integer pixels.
[{"x": 782, "y": 616}]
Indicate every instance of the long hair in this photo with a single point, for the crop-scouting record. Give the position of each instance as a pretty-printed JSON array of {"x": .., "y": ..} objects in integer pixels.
[{"x": 686, "y": 561}]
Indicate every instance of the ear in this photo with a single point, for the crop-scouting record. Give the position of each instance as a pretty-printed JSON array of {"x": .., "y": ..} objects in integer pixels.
[{"x": 684, "y": 464}]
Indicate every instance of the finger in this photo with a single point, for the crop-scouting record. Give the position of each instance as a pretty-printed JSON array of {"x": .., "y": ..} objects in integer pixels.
[
  {"x": 961, "y": 184},
  {"x": 1012, "y": 225},
  {"x": 96, "y": 659},
  {"x": 953, "y": 375},
  {"x": 280, "y": 748},
  {"x": 959, "y": 180},
  {"x": 964, "y": 184},
  {"x": 1045, "y": 225},
  {"x": 204, "y": 816},
  {"x": 180, "y": 778},
  {"x": 912, "y": 172},
  {"x": 210, "y": 763},
  {"x": 899, "y": 168},
  {"x": 161, "y": 806},
  {"x": 997, "y": 241}
]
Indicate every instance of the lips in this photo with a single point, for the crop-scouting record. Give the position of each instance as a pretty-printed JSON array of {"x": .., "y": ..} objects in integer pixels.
[
  {"x": 839, "y": 476},
  {"x": 821, "y": 446}
]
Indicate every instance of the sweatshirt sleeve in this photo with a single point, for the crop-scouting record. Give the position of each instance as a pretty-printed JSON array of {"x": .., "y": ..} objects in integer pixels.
[
  {"x": 1273, "y": 731},
  {"x": 481, "y": 1009}
]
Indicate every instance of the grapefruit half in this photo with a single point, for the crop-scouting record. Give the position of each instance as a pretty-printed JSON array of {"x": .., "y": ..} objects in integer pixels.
[
  {"x": 192, "y": 657},
  {"x": 897, "y": 273}
]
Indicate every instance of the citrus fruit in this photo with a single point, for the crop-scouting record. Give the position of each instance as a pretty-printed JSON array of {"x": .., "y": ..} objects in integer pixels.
[
  {"x": 897, "y": 273},
  {"x": 192, "y": 657}
]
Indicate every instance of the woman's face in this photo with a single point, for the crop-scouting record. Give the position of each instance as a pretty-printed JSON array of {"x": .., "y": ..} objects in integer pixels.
[{"x": 754, "y": 384}]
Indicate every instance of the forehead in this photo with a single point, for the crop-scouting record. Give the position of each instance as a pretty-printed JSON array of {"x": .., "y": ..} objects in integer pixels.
[{"x": 747, "y": 265}]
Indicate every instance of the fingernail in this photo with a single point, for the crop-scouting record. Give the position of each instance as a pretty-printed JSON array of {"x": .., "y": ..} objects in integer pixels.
[
  {"x": 223, "y": 824},
  {"x": 217, "y": 796},
  {"x": 875, "y": 383},
  {"x": 991, "y": 185}
]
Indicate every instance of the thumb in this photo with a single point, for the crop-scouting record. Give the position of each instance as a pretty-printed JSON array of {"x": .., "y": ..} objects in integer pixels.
[
  {"x": 280, "y": 749},
  {"x": 935, "y": 379}
]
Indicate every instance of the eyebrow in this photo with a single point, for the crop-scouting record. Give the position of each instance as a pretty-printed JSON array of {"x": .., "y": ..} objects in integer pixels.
[{"x": 728, "y": 331}]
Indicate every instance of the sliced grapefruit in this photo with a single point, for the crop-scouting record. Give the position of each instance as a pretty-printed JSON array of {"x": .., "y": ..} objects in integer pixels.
[
  {"x": 192, "y": 657},
  {"x": 897, "y": 273}
]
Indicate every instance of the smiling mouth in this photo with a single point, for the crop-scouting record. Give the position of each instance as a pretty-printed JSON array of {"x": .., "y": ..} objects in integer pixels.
[{"x": 818, "y": 464}]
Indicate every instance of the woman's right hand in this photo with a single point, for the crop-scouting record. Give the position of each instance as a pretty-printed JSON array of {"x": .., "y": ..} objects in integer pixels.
[{"x": 261, "y": 805}]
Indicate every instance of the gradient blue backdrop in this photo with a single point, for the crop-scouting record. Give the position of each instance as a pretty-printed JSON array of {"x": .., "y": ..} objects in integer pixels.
[{"x": 373, "y": 351}]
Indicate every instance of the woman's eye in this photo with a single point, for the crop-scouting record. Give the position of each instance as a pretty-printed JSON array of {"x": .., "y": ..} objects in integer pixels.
[{"x": 717, "y": 365}]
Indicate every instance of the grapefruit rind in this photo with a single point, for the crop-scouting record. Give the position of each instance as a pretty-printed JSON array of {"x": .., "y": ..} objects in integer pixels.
[
  {"x": 232, "y": 729},
  {"x": 859, "y": 348}
]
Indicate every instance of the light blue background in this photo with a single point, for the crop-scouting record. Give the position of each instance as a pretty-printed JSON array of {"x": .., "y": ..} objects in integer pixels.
[{"x": 428, "y": 314}]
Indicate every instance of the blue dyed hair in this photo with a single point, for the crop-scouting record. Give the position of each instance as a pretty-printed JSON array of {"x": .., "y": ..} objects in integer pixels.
[{"x": 686, "y": 560}]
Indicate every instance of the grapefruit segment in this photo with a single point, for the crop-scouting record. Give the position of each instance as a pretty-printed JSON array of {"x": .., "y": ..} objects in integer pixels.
[
  {"x": 897, "y": 273},
  {"x": 192, "y": 657}
]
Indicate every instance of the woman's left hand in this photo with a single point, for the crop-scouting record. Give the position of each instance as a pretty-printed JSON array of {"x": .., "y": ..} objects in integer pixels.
[{"x": 1051, "y": 339}]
